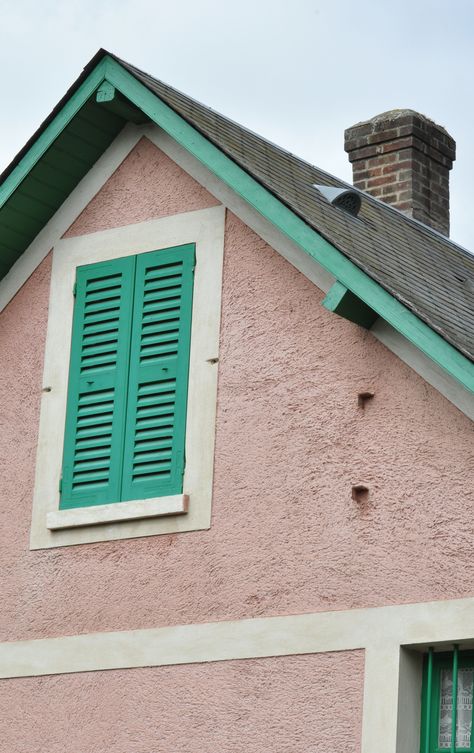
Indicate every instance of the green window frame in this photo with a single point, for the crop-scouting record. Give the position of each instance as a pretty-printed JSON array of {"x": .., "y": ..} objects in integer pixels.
[
  {"x": 128, "y": 379},
  {"x": 447, "y": 716}
]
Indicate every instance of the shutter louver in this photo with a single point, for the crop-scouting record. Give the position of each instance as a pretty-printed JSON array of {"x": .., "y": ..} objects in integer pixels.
[
  {"x": 95, "y": 420},
  {"x": 158, "y": 380}
]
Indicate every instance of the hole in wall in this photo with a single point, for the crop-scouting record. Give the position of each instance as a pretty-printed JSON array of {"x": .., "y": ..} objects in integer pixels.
[
  {"x": 364, "y": 397},
  {"x": 360, "y": 493}
]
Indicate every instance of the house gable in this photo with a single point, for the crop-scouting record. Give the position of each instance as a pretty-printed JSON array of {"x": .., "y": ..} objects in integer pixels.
[
  {"x": 287, "y": 538},
  {"x": 372, "y": 295},
  {"x": 291, "y": 441}
]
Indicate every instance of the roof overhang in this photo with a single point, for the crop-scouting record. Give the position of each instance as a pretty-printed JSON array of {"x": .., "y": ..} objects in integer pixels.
[{"x": 89, "y": 117}]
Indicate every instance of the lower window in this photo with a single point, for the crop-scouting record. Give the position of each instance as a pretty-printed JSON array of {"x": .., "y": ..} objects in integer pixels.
[{"x": 447, "y": 706}]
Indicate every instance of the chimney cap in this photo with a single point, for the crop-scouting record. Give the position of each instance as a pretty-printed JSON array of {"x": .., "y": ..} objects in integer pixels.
[{"x": 397, "y": 124}]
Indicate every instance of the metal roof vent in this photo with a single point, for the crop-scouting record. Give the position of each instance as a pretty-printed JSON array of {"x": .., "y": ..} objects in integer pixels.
[{"x": 343, "y": 198}]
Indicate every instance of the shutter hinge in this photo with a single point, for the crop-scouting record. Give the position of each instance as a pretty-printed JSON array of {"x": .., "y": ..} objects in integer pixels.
[
  {"x": 74, "y": 289},
  {"x": 61, "y": 485}
]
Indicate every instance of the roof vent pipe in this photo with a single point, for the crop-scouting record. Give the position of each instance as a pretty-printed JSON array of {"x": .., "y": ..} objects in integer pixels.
[{"x": 343, "y": 198}]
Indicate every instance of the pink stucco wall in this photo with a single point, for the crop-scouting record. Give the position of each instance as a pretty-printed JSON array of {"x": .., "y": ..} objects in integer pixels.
[
  {"x": 282, "y": 705},
  {"x": 286, "y": 536},
  {"x": 147, "y": 185}
]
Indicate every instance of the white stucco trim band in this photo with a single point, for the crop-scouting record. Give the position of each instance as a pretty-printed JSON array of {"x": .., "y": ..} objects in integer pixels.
[
  {"x": 419, "y": 625},
  {"x": 137, "y": 510},
  {"x": 52, "y": 527},
  {"x": 392, "y": 679}
]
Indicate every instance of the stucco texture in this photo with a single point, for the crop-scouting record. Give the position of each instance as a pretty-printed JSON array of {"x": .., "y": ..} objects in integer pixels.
[
  {"x": 286, "y": 535},
  {"x": 282, "y": 705},
  {"x": 147, "y": 185}
]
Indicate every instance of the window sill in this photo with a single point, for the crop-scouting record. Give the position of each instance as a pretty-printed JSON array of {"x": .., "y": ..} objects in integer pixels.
[{"x": 119, "y": 511}]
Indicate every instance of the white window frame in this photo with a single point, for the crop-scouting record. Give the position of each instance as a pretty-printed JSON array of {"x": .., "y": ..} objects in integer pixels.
[{"x": 190, "y": 511}]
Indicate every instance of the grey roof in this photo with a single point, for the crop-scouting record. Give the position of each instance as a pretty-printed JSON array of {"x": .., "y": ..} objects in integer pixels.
[{"x": 430, "y": 274}]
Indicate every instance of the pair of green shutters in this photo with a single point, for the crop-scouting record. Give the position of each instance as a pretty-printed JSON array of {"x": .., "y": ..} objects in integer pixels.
[{"x": 128, "y": 379}]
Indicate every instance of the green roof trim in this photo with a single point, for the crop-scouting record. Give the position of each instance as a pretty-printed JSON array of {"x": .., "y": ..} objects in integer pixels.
[
  {"x": 343, "y": 302},
  {"x": 329, "y": 257},
  {"x": 348, "y": 275},
  {"x": 45, "y": 140}
]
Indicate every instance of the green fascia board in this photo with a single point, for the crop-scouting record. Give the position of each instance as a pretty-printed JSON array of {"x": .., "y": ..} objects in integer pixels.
[
  {"x": 327, "y": 255},
  {"x": 108, "y": 97},
  {"x": 53, "y": 130},
  {"x": 262, "y": 200},
  {"x": 339, "y": 300}
]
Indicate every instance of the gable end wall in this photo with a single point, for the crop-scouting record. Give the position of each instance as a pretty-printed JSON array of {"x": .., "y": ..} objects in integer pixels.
[{"x": 286, "y": 535}]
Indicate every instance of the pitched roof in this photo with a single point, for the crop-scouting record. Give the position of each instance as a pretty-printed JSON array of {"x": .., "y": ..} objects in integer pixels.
[
  {"x": 430, "y": 274},
  {"x": 426, "y": 272}
]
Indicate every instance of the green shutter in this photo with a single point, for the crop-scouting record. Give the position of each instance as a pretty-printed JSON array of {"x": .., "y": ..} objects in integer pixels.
[
  {"x": 447, "y": 716},
  {"x": 158, "y": 381},
  {"x": 95, "y": 417}
]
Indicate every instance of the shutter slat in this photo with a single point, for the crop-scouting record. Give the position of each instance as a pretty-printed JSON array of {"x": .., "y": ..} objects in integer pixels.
[
  {"x": 95, "y": 420},
  {"x": 156, "y": 411}
]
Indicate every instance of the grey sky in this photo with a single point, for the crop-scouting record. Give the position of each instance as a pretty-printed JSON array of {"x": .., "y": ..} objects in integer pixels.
[{"x": 296, "y": 71}]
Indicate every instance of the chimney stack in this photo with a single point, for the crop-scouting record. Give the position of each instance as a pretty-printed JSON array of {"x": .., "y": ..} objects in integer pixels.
[{"x": 404, "y": 159}]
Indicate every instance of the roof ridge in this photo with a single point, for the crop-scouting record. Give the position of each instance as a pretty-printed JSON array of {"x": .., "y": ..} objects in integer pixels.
[{"x": 339, "y": 182}]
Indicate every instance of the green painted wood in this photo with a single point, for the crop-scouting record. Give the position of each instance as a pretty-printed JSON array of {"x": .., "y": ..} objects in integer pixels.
[
  {"x": 32, "y": 206},
  {"x": 107, "y": 123},
  {"x": 451, "y": 661},
  {"x": 339, "y": 300},
  {"x": 84, "y": 153},
  {"x": 52, "y": 195},
  {"x": 105, "y": 93},
  {"x": 455, "y": 698},
  {"x": 329, "y": 257},
  {"x": 56, "y": 174},
  {"x": 52, "y": 131},
  {"x": 159, "y": 366},
  {"x": 427, "y": 712},
  {"x": 97, "y": 390},
  {"x": 89, "y": 133},
  {"x": 108, "y": 97},
  {"x": 10, "y": 236},
  {"x": 52, "y": 175}
]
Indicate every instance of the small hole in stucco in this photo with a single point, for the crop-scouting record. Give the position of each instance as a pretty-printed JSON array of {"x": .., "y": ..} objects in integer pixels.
[
  {"x": 364, "y": 397},
  {"x": 360, "y": 493}
]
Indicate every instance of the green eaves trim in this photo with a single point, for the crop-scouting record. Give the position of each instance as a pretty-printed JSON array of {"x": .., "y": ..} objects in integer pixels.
[
  {"x": 343, "y": 302},
  {"x": 329, "y": 257},
  {"x": 53, "y": 130}
]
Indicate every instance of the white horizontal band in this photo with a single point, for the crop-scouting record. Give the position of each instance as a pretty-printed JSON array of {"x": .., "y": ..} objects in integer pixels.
[
  {"x": 136, "y": 510},
  {"x": 422, "y": 624}
]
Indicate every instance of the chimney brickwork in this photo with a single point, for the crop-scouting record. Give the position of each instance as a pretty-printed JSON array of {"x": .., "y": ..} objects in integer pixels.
[{"x": 404, "y": 159}]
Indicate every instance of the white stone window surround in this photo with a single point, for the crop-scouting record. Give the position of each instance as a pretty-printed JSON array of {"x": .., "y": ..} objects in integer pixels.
[{"x": 190, "y": 511}]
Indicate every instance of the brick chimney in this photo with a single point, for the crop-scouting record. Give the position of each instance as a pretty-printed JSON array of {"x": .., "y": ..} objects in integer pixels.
[{"x": 404, "y": 159}]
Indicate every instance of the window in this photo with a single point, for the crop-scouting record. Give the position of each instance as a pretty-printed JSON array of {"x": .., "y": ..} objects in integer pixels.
[
  {"x": 123, "y": 487},
  {"x": 128, "y": 379},
  {"x": 447, "y": 702}
]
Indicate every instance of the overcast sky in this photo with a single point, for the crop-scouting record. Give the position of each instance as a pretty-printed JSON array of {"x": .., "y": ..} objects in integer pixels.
[{"x": 296, "y": 71}]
